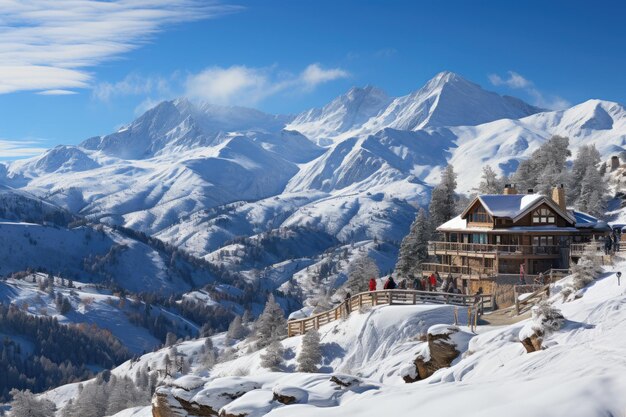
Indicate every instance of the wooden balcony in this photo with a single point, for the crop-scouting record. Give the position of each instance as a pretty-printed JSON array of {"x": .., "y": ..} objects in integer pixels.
[
  {"x": 578, "y": 249},
  {"x": 489, "y": 250}
]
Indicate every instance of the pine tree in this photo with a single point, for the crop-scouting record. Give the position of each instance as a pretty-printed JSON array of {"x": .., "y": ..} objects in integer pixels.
[
  {"x": 310, "y": 354},
  {"x": 592, "y": 193},
  {"x": 170, "y": 339},
  {"x": 236, "y": 329},
  {"x": 273, "y": 356},
  {"x": 443, "y": 197},
  {"x": 360, "y": 272},
  {"x": 26, "y": 404},
  {"x": 271, "y": 325},
  {"x": 545, "y": 168},
  {"x": 414, "y": 247},
  {"x": 489, "y": 183}
]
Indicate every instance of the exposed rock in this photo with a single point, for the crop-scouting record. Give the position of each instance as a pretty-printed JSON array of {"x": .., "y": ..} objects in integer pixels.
[
  {"x": 164, "y": 404},
  {"x": 440, "y": 350},
  {"x": 533, "y": 342},
  {"x": 344, "y": 381},
  {"x": 289, "y": 395}
]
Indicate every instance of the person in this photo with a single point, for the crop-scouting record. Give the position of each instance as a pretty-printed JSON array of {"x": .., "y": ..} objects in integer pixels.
[
  {"x": 444, "y": 284},
  {"x": 402, "y": 284},
  {"x": 347, "y": 301},
  {"x": 390, "y": 284},
  {"x": 522, "y": 274},
  {"x": 432, "y": 282},
  {"x": 452, "y": 287},
  {"x": 417, "y": 284},
  {"x": 372, "y": 284},
  {"x": 607, "y": 245},
  {"x": 619, "y": 275},
  {"x": 478, "y": 294},
  {"x": 424, "y": 284}
]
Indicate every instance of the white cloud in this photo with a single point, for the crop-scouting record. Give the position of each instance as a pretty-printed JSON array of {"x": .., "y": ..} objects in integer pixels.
[
  {"x": 132, "y": 84},
  {"x": 517, "y": 81},
  {"x": 12, "y": 149},
  {"x": 56, "y": 92},
  {"x": 245, "y": 85},
  {"x": 513, "y": 81},
  {"x": 49, "y": 45}
]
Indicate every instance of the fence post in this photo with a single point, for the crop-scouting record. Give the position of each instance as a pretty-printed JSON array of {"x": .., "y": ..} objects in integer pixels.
[
  {"x": 317, "y": 322},
  {"x": 456, "y": 316},
  {"x": 469, "y": 317},
  {"x": 389, "y": 297}
]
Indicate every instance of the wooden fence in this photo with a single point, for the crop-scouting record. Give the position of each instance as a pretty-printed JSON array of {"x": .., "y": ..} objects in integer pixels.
[{"x": 387, "y": 297}]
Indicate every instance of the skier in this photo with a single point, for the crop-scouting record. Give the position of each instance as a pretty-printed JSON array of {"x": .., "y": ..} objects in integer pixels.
[{"x": 372, "y": 284}]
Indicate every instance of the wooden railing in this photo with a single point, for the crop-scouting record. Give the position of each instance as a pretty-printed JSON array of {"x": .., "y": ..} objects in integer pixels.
[
  {"x": 577, "y": 249},
  {"x": 437, "y": 248},
  {"x": 538, "y": 293},
  {"x": 457, "y": 269},
  {"x": 386, "y": 297}
]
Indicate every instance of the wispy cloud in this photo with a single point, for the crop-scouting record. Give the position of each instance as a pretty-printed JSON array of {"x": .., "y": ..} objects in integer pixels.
[
  {"x": 246, "y": 85},
  {"x": 514, "y": 80},
  {"x": 50, "y": 45},
  {"x": 132, "y": 84},
  {"x": 13, "y": 149}
]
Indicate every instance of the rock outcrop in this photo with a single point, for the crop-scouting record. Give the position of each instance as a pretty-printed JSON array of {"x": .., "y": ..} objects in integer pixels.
[
  {"x": 533, "y": 343},
  {"x": 441, "y": 348}
]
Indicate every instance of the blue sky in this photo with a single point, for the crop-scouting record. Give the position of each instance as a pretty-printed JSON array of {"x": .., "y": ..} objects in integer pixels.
[{"x": 68, "y": 73}]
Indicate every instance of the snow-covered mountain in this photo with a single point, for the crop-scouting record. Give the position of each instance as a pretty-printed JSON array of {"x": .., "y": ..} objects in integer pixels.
[{"x": 222, "y": 182}]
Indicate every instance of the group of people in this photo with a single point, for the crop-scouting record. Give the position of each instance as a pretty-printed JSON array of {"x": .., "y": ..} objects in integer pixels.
[
  {"x": 430, "y": 283},
  {"x": 612, "y": 242}
]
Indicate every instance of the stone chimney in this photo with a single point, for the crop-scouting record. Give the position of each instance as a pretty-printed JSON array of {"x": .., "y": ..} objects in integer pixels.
[
  {"x": 509, "y": 189},
  {"x": 614, "y": 163},
  {"x": 558, "y": 196}
]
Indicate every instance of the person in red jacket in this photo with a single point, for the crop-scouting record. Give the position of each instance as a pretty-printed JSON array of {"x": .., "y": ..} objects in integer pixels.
[
  {"x": 372, "y": 284},
  {"x": 432, "y": 282}
]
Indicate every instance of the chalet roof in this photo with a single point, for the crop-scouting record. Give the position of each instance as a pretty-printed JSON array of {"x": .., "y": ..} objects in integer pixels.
[
  {"x": 514, "y": 206},
  {"x": 583, "y": 221}
]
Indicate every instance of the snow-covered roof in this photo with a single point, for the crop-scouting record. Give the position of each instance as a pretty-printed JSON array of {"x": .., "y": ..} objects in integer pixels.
[
  {"x": 459, "y": 224},
  {"x": 587, "y": 221},
  {"x": 514, "y": 206}
]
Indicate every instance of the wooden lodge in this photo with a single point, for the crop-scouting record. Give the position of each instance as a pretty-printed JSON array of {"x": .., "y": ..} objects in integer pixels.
[{"x": 497, "y": 235}]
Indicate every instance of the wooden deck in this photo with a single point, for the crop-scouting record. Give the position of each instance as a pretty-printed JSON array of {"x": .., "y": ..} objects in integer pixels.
[{"x": 387, "y": 297}]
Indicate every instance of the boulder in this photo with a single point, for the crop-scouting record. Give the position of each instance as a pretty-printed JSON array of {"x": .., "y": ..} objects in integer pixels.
[
  {"x": 533, "y": 342},
  {"x": 344, "y": 381},
  {"x": 289, "y": 395},
  {"x": 441, "y": 348}
]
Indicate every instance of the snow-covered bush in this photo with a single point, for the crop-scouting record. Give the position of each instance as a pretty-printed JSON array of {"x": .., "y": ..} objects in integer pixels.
[
  {"x": 310, "y": 354},
  {"x": 588, "y": 268},
  {"x": 545, "y": 319}
]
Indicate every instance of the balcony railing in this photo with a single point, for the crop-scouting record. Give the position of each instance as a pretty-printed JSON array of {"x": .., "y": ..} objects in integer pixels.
[
  {"x": 446, "y": 248},
  {"x": 578, "y": 249},
  {"x": 457, "y": 269}
]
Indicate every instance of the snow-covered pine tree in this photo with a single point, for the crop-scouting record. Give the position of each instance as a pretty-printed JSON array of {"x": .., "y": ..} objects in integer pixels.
[
  {"x": 25, "y": 403},
  {"x": 414, "y": 247},
  {"x": 235, "y": 329},
  {"x": 545, "y": 168},
  {"x": 443, "y": 197},
  {"x": 593, "y": 191},
  {"x": 311, "y": 354},
  {"x": 489, "y": 184},
  {"x": 271, "y": 325},
  {"x": 359, "y": 273},
  {"x": 273, "y": 356},
  {"x": 170, "y": 339}
]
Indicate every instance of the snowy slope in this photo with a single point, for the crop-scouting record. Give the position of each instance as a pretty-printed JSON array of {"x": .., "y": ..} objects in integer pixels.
[
  {"x": 580, "y": 373},
  {"x": 90, "y": 305}
]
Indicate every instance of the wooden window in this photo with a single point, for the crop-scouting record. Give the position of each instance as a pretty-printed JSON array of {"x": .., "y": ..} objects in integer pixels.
[
  {"x": 480, "y": 215},
  {"x": 543, "y": 216}
]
